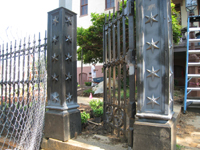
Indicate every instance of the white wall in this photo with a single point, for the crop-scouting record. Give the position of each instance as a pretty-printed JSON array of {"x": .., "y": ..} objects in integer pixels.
[{"x": 94, "y": 6}]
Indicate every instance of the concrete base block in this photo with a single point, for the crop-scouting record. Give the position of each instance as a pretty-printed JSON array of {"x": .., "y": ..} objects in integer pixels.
[
  {"x": 62, "y": 125},
  {"x": 155, "y": 135}
]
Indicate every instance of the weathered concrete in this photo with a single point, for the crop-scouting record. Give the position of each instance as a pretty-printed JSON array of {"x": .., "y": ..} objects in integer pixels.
[
  {"x": 155, "y": 135},
  {"x": 63, "y": 125}
]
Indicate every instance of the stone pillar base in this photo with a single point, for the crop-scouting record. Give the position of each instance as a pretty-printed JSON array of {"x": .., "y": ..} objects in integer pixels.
[
  {"x": 155, "y": 135},
  {"x": 62, "y": 125}
]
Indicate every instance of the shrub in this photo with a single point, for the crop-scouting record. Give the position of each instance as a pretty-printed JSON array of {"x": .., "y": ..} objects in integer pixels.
[
  {"x": 88, "y": 83},
  {"x": 88, "y": 91},
  {"x": 97, "y": 107},
  {"x": 84, "y": 117}
]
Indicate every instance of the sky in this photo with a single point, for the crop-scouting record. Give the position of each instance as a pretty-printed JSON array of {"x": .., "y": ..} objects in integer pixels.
[{"x": 21, "y": 18}]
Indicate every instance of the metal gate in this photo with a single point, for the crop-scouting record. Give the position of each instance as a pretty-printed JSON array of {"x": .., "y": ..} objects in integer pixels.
[
  {"x": 22, "y": 93},
  {"x": 119, "y": 72}
]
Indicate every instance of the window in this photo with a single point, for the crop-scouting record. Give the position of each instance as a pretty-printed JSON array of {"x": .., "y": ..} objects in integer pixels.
[
  {"x": 84, "y": 7},
  {"x": 109, "y": 4}
]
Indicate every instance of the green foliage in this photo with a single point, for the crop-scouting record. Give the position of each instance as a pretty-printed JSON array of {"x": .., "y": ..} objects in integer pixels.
[
  {"x": 97, "y": 107},
  {"x": 88, "y": 83},
  {"x": 84, "y": 117},
  {"x": 179, "y": 147},
  {"x": 90, "y": 40},
  {"x": 176, "y": 27},
  {"x": 88, "y": 91}
]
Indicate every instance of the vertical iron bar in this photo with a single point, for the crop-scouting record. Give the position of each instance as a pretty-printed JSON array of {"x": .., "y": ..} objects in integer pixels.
[
  {"x": 45, "y": 62},
  {"x": 124, "y": 67},
  {"x": 38, "y": 80},
  {"x": 109, "y": 57},
  {"x": 114, "y": 68},
  {"x": 28, "y": 73},
  {"x": 2, "y": 74},
  {"x": 14, "y": 72},
  {"x": 23, "y": 73},
  {"x": 132, "y": 105},
  {"x": 18, "y": 85},
  {"x": 6, "y": 75},
  {"x": 33, "y": 70},
  {"x": 10, "y": 74},
  {"x": 105, "y": 68},
  {"x": 118, "y": 55}
]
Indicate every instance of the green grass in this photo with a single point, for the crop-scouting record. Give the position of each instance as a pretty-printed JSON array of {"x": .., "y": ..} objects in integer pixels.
[{"x": 179, "y": 147}]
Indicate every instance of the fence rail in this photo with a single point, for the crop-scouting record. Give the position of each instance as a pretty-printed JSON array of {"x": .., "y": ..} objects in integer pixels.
[{"x": 22, "y": 92}]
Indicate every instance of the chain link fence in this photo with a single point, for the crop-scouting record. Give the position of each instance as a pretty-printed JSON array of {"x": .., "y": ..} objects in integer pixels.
[{"x": 22, "y": 93}]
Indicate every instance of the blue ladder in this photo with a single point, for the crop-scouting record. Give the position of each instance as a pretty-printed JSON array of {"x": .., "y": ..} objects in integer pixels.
[{"x": 188, "y": 77}]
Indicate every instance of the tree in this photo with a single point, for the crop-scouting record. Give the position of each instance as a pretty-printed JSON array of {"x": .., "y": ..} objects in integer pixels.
[{"x": 90, "y": 40}]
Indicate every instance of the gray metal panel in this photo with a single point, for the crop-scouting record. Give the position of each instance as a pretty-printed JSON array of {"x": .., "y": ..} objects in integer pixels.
[
  {"x": 154, "y": 57},
  {"x": 62, "y": 90}
]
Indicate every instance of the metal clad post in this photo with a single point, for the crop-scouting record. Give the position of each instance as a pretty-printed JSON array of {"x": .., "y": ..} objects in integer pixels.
[
  {"x": 154, "y": 62},
  {"x": 63, "y": 117}
]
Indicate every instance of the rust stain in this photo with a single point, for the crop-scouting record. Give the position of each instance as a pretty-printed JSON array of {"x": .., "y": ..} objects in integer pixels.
[{"x": 152, "y": 6}]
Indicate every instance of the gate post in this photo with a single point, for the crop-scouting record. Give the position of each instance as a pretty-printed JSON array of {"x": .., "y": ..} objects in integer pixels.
[
  {"x": 62, "y": 120},
  {"x": 156, "y": 124}
]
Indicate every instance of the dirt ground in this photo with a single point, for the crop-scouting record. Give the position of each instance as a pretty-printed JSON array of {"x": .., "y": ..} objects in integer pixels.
[{"x": 188, "y": 126}]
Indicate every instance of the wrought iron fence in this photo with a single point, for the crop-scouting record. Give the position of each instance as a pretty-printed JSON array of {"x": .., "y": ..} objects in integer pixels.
[
  {"x": 22, "y": 93},
  {"x": 119, "y": 72}
]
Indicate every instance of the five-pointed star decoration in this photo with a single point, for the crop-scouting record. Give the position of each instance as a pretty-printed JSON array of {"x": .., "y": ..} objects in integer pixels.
[
  {"x": 55, "y": 77},
  {"x": 55, "y": 97},
  {"x": 55, "y": 20},
  {"x": 153, "y": 101},
  {"x": 69, "y": 97},
  {"x": 54, "y": 57},
  {"x": 55, "y": 39},
  {"x": 153, "y": 73},
  {"x": 68, "y": 39},
  {"x": 68, "y": 20},
  {"x": 151, "y": 19},
  {"x": 68, "y": 76},
  {"x": 68, "y": 57},
  {"x": 152, "y": 45}
]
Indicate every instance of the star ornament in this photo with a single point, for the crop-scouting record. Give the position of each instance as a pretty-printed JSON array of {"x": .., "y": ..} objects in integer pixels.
[
  {"x": 68, "y": 57},
  {"x": 153, "y": 73},
  {"x": 69, "y": 97},
  {"x": 153, "y": 101},
  {"x": 151, "y": 19},
  {"x": 55, "y": 39},
  {"x": 68, "y": 20},
  {"x": 54, "y": 57},
  {"x": 55, "y": 77},
  {"x": 55, "y": 97},
  {"x": 68, "y": 76},
  {"x": 68, "y": 39},
  {"x": 152, "y": 45},
  {"x": 55, "y": 20}
]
